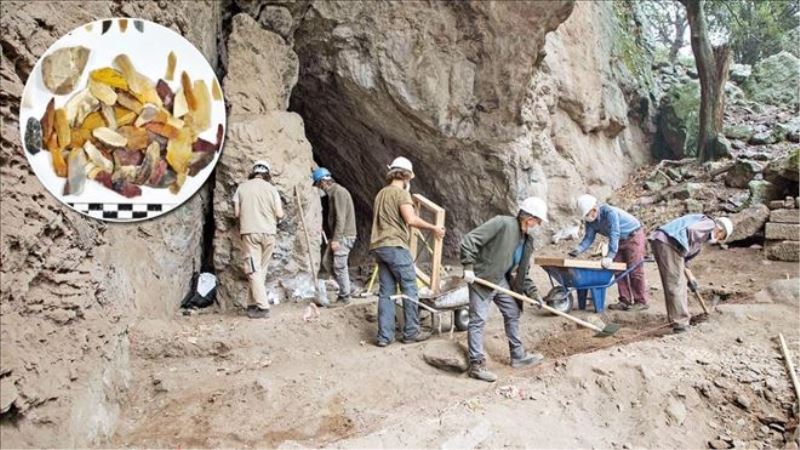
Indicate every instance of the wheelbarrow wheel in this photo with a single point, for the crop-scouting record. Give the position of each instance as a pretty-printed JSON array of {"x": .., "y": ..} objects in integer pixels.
[
  {"x": 461, "y": 319},
  {"x": 560, "y": 298}
]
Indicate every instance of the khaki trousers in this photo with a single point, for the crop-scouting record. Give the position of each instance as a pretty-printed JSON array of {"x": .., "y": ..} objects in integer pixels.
[
  {"x": 670, "y": 267},
  {"x": 257, "y": 249}
]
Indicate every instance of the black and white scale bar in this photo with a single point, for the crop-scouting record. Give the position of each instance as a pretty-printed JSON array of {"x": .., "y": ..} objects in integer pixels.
[{"x": 120, "y": 211}]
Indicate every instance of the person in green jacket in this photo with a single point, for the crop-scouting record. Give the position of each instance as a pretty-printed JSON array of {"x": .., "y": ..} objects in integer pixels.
[
  {"x": 500, "y": 251},
  {"x": 342, "y": 223}
]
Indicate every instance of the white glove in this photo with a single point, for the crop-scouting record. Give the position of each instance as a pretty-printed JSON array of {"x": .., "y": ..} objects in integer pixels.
[
  {"x": 605, "y": 263},
  {"x": 469, "y": 276}
]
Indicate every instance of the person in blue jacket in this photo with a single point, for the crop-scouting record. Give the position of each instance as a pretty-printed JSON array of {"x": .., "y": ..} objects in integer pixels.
[
  {"x": 674, "y": 245},
  {"x": 626, "y": 243}
]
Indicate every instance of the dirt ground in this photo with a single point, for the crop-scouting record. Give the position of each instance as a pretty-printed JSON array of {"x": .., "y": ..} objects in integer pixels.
[{"x": 222, "y": 380}]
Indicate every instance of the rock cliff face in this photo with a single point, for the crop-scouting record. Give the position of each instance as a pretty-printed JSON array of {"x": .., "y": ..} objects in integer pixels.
[
  {"x": 488, "y": 109},
  {"x": 261, "y": 72},
  {"x": 71, "y": 285}
]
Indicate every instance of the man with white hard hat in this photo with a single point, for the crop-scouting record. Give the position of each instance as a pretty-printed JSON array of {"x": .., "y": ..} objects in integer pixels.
[
  {"x": 257, "y": 205},
  {"x": 674, "y": 245},
  {"x": 626, "y": 243},
  {"x": 393, "y": 215},
  {"x": 500, "y": 251}
]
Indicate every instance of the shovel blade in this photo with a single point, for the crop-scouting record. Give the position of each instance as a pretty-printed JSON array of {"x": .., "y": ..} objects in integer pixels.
[{"x": 608, "y": 330}]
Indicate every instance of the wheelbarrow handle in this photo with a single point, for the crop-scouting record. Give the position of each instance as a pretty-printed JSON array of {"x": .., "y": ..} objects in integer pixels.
[{"x": 532, "y": 301}]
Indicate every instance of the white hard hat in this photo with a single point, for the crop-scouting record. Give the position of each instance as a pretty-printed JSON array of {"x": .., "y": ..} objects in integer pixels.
[
  {"x": 261, "y": 166},
  {"x": 535, "y": 207},
  {"x": 727, "y": 225},
  {"x": 585, "y": 204},
  {"x": 401, "y": 163}
]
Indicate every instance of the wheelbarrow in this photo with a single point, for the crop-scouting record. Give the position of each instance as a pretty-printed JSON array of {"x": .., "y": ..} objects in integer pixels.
[
  {"x": 453, "y": 297},
  {"x": 584, "y": 277}
]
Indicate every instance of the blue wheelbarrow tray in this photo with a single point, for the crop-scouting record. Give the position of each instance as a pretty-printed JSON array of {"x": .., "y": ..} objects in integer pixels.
[{"x": 585, "y": 281}]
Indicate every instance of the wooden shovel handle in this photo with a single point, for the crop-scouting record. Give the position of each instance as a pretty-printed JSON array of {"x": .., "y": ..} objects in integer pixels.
[{"x": 534, "y": 302}]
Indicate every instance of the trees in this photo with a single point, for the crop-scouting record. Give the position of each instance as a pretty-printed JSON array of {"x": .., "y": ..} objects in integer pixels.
[
  {"x": 712, "y": 68},
  {"x": 754, "y": 29},
  {"x": 668, "y": 20}
]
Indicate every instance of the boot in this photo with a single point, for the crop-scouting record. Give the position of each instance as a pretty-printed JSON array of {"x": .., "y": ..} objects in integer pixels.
[
  {"x": 527, "y": 360},
  {"x": 258, "y": 313},
  {"x": 419, "y": 337},
  {"x": 480, "y": 372}
]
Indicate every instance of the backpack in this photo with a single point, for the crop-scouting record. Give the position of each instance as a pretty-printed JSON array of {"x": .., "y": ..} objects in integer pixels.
[{"x": 202, "y": 291}]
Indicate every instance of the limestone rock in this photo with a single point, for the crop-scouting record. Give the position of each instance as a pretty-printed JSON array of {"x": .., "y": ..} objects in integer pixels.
[
  {"x": 783, "y": 250},
  {"x": 748, "y": 222},
  {"x": 741, "y": 174},
  {"x": 764, "y": 138},
  {"x": 762, "y": 192},
  {"x": 785, "y": 216},
  {"x": 775, "y": 79},
  {"x": 678, "y": 120},
  {"x": 739, "y": 73},
  {"x": 785, "y": 169},
  {"x": 8, "y": 394},
  {"x": 277, "y": 137},
  {"x": 476, "y": 87},
  {"x": 743, "y": 132},
  {"x": 62, "y": 68},
  {"x": 782, "y": 231},
  {"x": 781, "y": 291},
  {"x": 277, "y": 19},
  {"x": 446, "y": 355},
  {"x": 262, "y": 69}
]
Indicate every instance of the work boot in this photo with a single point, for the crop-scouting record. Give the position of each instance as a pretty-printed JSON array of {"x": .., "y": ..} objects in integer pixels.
[
  {"x": 380, "y": 343},
  {"x": 419, "y": 337},
  {"x": 680, "y": 328},
  {"x": 620, "y": 306},
  {"x": 258, "y": 313},
  {"x": 343, "y": 300},
  {"x": 530, "y": 359},
  {"x": 480, "y": 372},
  {"x": 640, "y": 307}
]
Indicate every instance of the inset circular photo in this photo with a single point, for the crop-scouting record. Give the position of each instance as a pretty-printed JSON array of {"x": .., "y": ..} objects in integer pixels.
[{"x": 122, "y": 119}]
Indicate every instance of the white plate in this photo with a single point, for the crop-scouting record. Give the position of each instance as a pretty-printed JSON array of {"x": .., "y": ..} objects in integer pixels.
[{"x": 148, "y": 51}]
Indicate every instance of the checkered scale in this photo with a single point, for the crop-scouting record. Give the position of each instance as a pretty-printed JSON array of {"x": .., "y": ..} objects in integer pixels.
[{"x": 120, "y": 211}]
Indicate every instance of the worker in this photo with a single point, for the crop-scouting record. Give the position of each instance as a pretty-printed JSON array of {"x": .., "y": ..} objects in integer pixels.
[
  {"x": 342, "y": 223},
  {"x": 674, "y": 245},
  {"x": 500, "y": 251},
  {"x": 393, "y": 215},
  {"x": 257, "y": 205},
  {"x": 626, "y": 243}
]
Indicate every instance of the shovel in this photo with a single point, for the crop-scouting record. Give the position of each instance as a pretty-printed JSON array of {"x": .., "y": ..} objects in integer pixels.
[
  {"x": 322, "y": 297},
  {"x": 606, "y": 331},
  {"x": 700, "y": 317}
]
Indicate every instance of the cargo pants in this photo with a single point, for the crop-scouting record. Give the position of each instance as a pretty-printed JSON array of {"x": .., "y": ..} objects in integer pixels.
[
  {"x": 335, "y": 263},
  {"x": 257, "y": 249}
]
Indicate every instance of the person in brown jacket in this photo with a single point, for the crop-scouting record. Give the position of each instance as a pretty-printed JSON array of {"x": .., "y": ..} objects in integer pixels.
[
  {"x": 257, "y": 205},
  {"x": 342, "y": 223}
]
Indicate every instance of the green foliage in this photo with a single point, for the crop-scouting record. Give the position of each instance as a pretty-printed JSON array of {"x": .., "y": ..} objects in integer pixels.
[
  {"x": 754, "y": 29},
  {"x": 629, "y": 45}
]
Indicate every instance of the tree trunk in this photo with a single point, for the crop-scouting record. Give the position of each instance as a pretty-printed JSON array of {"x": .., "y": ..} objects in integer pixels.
[
  {"x": 713, "y": 74},
  {"x": 679, "y": 23}
]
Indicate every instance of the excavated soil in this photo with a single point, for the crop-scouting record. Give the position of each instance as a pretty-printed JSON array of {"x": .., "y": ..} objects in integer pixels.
[{"x": 222, "y": 380}]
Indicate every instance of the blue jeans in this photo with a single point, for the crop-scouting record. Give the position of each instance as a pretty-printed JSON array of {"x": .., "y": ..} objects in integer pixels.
[{"x": 395, "y": 266}]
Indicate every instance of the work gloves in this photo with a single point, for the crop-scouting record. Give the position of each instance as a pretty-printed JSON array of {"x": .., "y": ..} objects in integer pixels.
[
  {"x": 469, "y": 276},
  {"x": 605, "y": 263},
  {"x": 536, "y": 297},
  {"x": 573, "y": 253},
  {"x": 693, "y": 285}
]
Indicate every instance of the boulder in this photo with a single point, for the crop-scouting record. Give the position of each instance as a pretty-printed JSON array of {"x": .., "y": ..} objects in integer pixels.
[
  {"x": 765, "y": 138},
  {"x": 775, "y": 79},
  {"x": 789, "y": 130},
  {"x": 678, "y": 120},
  {"x": 743, "y": 132},
  {"x": 784, "y": 170},
  {"x": 263, "y": 80},
  {"x": 783, "y": 250},
  {"x": 784, "y": 216},
  {"x": 688, "y": 190},
  {"x": 447, "y": 356},
  {"x": 742, "y": 172},
  {"x": 780, "y": 291},
  {"x": 277, "y": 19},
  {"x": 720, "y": 147},
  {"x": 762, "y": 192},
  {"x": 782, "y": 231},
  {"x": 277, "y": 137},
  {"x": 748, "y": 222},
  {"x": 739, "y": 73}
]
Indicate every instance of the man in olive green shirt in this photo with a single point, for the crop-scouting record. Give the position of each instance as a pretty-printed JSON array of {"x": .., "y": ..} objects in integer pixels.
[
  {"x": 500, "y": 251},
  {"x": 257, "y": 205},
  {"x": 393, "y": 215},
  {"x": 342, "y": 223}
]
